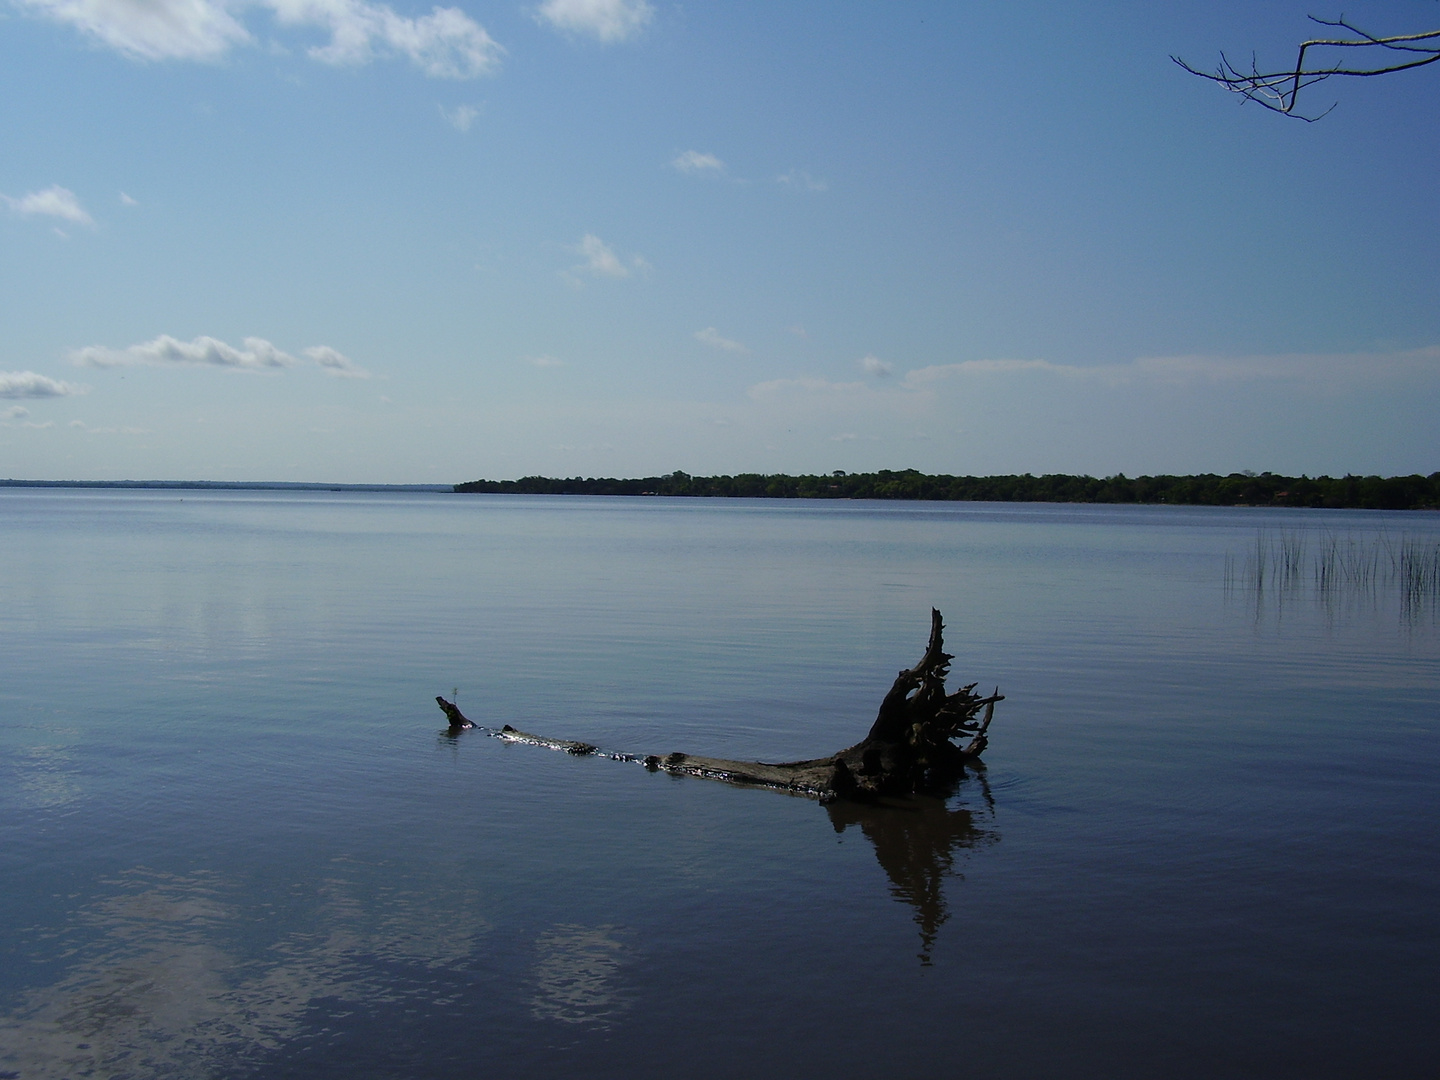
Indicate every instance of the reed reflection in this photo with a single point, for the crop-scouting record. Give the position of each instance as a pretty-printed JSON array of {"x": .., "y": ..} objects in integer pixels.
[{"x": 918, "y": 841}]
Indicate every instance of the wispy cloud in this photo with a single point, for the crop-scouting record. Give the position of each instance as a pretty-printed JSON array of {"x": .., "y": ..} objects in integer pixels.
[
  {"x": 1316, "y": 369},
  {"x": 544, "y": 361},
  {"x": 710, "y": 336},
  {"x": 1138, "y": 387},
  {"x": 601, "y": 261},
  {"x": 460, "y": 117},
  {"x": 126, "y": 200},
  {"x": 774, "y": 389},
  {"x": 27, "y": 384},
  {"x": 928, "y": 376},
  {"x": 604, "y": 20},
  {"x": 873, "y": 365},
  {"x": 257, "y": 354},
  {"x": 14, "y": 412},
  {"x": 447, "y": 43},
  {"x": 333, "y": 362},
  {"x": 692, "y": 161},
  {"x": 1332, "y": 369},
  {"x": 82, "y": 426},
  {"x": 828, "y": 402},
  {"x": 158, "y": 30},
  {"x": 54, "y": 201},
  {"x": 802, "y": 180}
]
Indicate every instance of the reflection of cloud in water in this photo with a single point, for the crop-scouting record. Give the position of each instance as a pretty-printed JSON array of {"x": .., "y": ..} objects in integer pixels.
[
  {"x": 916, "y": 841},
  {"x": 46, "y": 775},
  {"x": 150, "y": 999},
  {"x": 577, "y": 975},
  {"x": 398, "y": 924},
  {"x": 159, "y": 993}
]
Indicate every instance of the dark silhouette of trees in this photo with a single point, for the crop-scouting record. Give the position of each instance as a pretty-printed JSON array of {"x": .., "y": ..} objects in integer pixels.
[{"x": 1207, "y": 489}]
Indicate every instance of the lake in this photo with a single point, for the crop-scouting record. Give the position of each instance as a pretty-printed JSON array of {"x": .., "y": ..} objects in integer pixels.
[{"x": 236, "y": 841}]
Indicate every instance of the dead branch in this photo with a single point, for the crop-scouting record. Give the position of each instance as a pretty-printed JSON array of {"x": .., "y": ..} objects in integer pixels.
[{"x": 1279, "y": 91}]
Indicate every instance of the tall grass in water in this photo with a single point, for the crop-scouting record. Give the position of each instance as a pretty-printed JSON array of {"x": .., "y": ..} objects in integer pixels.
[
  {"x": 1334, "y": 566},
  {"x": 1348, "y": 563},
  {"x": 1415, "y": 568},
  {"x": 1277, "y": 561}
]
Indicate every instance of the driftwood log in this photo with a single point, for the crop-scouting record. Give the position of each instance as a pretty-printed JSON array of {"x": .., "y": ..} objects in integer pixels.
[{"x": 920, "y": 742}]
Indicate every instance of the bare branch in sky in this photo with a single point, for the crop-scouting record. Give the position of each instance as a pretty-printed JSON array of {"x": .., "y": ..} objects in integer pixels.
[{"x": 1279, "y": 91}]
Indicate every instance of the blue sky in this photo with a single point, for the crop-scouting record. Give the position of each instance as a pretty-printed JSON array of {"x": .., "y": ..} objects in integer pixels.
[{"x": 342, "y": 240}]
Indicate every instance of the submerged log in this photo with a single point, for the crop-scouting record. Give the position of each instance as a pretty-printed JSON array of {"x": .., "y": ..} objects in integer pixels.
[{"x": 922, "y": 738}]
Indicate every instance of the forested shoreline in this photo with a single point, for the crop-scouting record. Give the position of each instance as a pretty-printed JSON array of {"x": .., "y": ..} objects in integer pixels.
[{"x": 1206, "y": 489}]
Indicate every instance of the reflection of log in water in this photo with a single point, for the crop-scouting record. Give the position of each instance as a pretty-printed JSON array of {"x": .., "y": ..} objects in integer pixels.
[{"x": 917, "y": 840}]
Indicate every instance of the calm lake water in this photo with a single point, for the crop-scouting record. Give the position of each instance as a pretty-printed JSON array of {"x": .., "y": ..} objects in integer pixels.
[{"x": 235, "y": 842}]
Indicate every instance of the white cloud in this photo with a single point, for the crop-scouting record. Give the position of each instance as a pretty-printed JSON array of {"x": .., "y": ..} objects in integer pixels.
[
  {"x": 545, "y": 361},
  {"x": 15, "y": 412},
  {"x": 164, "y": 351},
  {"x": 873, "y": 365},
  {"x": 710, "y": 336},
  {"x": 798, "y": 178},
  {"x": 27, "y": 384},
  {"x": 692, "y": 161},
  {"x": 606, "y": 20},
  {"x": 333, "y": 362},
  {"x": 447, "y": 43},
  {"x": 54, "y": 201},
  {"x": 460, "y": 117},
  {"x": 600, "y": 261},
  {"x": 126, "y": 200},
  {"x": 151, "y": 29}
]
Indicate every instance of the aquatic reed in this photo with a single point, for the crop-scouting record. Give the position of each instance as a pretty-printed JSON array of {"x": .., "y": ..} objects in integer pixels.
[
  {"x": 1335, "y": 565},
  {"x": 1415, "y": 569}
]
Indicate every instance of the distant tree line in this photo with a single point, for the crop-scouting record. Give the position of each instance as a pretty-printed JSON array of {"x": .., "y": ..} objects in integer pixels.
[{"x": 1207, "y": 489}]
